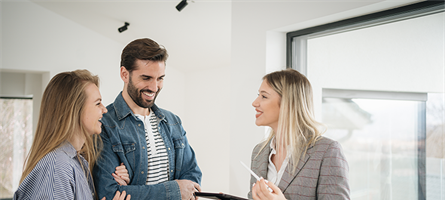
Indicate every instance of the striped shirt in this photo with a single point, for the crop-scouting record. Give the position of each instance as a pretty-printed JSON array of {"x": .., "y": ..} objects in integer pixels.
[
  {"x": 58, "y": 175},
  {"x": 157, "y": 153}
]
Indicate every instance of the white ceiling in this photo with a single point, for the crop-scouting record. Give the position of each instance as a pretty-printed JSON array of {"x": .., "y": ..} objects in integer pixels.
[
  {"x": 147, "y": 17},
  {"x": 198, "y": 25},
  {"x": 195, "y": 29}
]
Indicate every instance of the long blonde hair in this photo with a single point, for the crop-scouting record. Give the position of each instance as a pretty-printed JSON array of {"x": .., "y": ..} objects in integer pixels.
[
  {"x": 59, "y": 119},
  {"x": 297, "y": 127}
]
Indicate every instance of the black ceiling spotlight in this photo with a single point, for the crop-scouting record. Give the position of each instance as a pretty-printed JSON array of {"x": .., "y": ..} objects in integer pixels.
[
  {"x": 123, "y": 28},
  {"x": 181, "y": 5}
]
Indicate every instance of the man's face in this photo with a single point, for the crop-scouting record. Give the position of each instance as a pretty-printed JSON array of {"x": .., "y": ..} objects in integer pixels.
[{"x": 146, "y": 82}]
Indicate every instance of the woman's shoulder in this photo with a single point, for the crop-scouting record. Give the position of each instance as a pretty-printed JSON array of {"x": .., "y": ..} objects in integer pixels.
[
  {"x": 54, "y": 170},
  {"x": 324, "y": 141},
  {"x": 325, "y": 144},
  {"x": 46, "y": 168},
  {"x": 58, "y": 160}
]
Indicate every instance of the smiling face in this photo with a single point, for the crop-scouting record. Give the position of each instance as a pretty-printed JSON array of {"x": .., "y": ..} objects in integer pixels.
[
  {"x": 267, "y": 106},
  {"x": 93, "y": 110},
  {"x": 143, "y": 84}
]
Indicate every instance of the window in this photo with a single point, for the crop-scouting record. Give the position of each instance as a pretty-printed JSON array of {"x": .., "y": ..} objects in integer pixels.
[
  {"x": 15, "y": 141},
  {"x": 383, "y": 139},
  {"x": 378, "y": 81}
]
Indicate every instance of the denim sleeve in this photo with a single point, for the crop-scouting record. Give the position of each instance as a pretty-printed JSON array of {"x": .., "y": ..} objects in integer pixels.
[
  {"x": 189, "y": 168},
  {"x": 106, "y": 186}
]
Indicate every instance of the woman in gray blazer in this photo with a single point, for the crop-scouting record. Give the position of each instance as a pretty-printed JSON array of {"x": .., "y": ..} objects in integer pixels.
[{"x": 296, "y": 160}]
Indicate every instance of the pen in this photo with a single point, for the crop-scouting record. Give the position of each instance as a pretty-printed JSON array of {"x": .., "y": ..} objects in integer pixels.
[
  {"x": 251, "y": 172},
  {"x": 256, "y": 176}
]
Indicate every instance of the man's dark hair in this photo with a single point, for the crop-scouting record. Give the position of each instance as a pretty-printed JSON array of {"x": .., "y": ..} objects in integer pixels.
[{"x": 142, "y": 49}]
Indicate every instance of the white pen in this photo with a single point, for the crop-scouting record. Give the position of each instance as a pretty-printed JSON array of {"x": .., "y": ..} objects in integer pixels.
[
  {"x": 255, "y": 176},
  {"x": 251, "y": 172}
]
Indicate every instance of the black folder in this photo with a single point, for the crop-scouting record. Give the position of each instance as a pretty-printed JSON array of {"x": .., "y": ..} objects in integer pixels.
[{"x": 209, "y": 195}]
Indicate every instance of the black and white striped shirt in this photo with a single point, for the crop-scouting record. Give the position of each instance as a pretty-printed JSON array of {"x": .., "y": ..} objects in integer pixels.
[{"x": 157, "y": 153}]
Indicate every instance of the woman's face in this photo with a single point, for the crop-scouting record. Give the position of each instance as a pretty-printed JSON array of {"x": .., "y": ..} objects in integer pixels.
[
  {"x": 93, "y": 110},
  {"x": 267, "y": 106}
]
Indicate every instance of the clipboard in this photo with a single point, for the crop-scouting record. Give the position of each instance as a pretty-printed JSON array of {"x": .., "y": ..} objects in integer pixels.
[{"x": 222, "y": 196}]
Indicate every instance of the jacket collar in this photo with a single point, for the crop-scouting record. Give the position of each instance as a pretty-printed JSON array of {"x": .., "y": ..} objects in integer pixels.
[
  {"x": 287, "y": 177},
  {"x": 260, "y": 158},
  {"x": 123, "y": 110}
]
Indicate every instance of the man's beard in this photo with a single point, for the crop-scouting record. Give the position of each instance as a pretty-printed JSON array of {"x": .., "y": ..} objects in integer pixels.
[{"x": 136, "y": 95}]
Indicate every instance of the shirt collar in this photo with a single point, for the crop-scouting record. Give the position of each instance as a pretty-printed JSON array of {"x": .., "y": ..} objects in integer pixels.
[
  {"x": 68, "y": 148},
  {"x": 273, "y": 151}
]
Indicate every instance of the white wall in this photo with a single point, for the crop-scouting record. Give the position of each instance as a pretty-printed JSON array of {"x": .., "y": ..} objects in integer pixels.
[
  {"x": 17, "y": 84},
  {"x": 207, "y": 121},
  {"x": 39, "y": 40}
]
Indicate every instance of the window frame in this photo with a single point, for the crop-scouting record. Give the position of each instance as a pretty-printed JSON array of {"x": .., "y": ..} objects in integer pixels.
[{"x": 296, "y": 40}]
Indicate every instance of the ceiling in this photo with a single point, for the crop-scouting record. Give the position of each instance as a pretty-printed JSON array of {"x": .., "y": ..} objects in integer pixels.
[
  {"x": 198, "y": 25},
  {"x": 145, "y": 17}
]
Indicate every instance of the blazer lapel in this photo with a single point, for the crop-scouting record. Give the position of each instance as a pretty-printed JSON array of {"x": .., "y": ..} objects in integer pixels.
[
  {"x": 287, "y": 177},
  {"x": 262, "y": 161}
]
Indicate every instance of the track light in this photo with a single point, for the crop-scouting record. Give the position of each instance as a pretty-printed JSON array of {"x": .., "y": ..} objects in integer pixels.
[
  {"x": 123, "y": 28},
  {"x": 181, "y": 5}
]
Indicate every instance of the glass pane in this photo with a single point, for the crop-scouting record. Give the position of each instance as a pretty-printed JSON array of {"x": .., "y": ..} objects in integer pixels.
[
  {"x": 15, "y": 141},
  {"x": 379, "y": 139},
  {"x": 435, "y": 151}
]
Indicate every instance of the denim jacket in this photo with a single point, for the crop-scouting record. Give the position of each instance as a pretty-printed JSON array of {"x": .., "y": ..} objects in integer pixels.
[{"x": 123, "y": 137}]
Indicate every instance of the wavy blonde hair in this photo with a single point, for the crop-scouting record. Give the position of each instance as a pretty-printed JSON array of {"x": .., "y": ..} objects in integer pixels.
[
  {"x": 60, "y": 117},
  {"x": 297, "y": 127}
]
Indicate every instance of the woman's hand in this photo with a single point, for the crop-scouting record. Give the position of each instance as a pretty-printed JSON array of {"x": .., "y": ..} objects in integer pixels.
[
  {"x": 121, "y": 175},
  {"x": 260, "y": 191},
  {"x": 119, "y": 196}
]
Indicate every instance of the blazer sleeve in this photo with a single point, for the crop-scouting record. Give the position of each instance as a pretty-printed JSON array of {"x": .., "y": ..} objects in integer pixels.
[{"x": 333, "y": 180}]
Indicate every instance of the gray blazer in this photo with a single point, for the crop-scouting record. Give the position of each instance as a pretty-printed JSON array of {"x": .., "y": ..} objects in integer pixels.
[{"x": 321, "y": 174}]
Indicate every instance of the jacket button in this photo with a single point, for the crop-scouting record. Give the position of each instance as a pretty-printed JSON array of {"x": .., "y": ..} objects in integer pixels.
[
  {"x": 139, "y": 124},
  {"x": 171, "y": 170},
  {"x": 142, "y": 172},
  {"x": 169, "y": 148},
  {"x": 143, "y": 147}
]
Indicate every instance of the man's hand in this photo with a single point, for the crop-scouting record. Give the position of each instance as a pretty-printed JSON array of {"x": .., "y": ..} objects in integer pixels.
[
  {"x": 188, "y": 188},
  {"x": 121, "y": 175}
]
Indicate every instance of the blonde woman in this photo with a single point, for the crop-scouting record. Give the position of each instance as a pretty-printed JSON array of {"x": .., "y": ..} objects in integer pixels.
[
  {"x": 295, "y": 161},
  {"x": 63, "y": 152}
]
